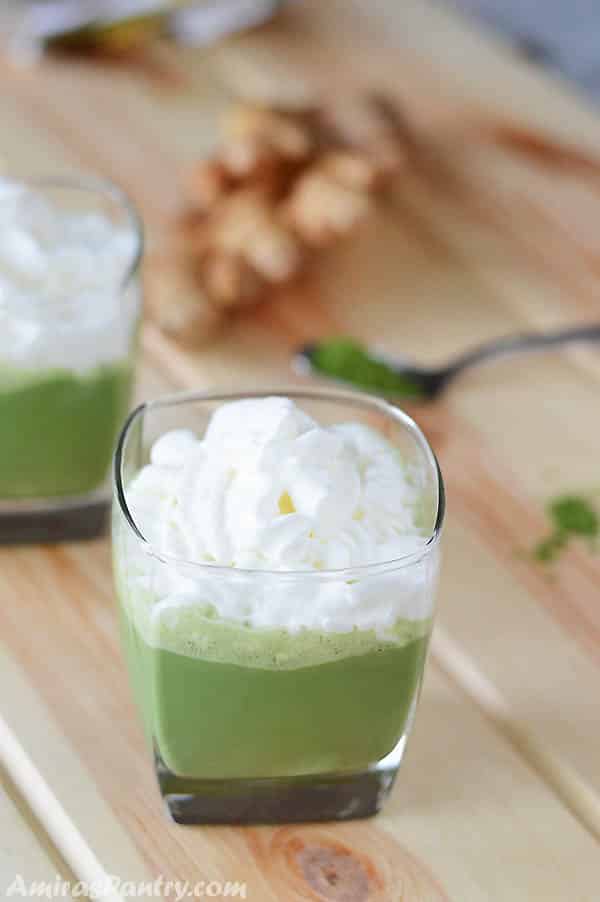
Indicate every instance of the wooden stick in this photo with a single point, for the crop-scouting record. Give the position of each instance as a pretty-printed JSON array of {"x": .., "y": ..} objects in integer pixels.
[{"x": 51, "y": 814}]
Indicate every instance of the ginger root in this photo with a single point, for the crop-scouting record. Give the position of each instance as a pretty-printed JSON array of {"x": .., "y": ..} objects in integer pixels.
[
  {"x": 280, "y": 188},
  {"x": 321, "y": 209}
]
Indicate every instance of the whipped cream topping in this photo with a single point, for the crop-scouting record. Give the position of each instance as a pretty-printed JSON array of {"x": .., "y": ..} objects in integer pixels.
[
  {"x": 268, "y": 488},
  {"x": 61, "y": 274}
]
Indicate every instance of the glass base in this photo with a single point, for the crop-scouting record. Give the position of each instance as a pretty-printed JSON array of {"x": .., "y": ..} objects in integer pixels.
[
  {"x": 279, "y": 800},
  {"x": 53, "y": 520}
]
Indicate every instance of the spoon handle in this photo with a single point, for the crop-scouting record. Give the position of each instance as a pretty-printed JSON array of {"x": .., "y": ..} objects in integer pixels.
[{"x": 524, "y": 341}]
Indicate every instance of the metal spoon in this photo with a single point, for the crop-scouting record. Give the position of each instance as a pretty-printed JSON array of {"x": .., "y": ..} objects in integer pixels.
[{"x": 426, "y": 383}]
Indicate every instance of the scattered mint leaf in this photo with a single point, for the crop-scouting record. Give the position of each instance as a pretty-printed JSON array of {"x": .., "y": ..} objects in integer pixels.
[
  {"x": 571, "y": 515},
  {"x": 548, "y": 549}
]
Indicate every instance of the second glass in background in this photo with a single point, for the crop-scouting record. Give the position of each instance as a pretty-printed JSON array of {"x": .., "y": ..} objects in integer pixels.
[{"x": 70, "y": 303}]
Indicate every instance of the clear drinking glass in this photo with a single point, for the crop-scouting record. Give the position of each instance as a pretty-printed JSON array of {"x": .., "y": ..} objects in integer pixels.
[
  {"x": 67, "y": 348},
  {"x": 264, "y": 725}
]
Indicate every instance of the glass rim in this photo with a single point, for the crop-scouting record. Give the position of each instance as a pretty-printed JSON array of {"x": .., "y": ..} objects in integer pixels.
[
  {"x": 315, "y": 394},
  {"x": 99, "y": 186}
]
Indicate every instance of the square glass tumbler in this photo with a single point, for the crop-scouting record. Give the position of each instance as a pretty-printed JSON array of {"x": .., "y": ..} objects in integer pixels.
[
  {"x": 251, "y": 725},
  {"x": 70, "y": 302}
]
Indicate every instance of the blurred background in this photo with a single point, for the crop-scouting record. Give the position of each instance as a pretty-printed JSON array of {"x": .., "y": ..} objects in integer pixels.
[
  {"x": 559, "y": 34},
  {"x": 556, "y": 33}
]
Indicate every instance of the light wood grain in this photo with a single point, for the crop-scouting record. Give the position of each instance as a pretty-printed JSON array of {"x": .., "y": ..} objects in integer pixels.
[
  {"x": 460, "y": 782},
  {"x": 51, "y": 814},
  {"x": 499, "y": 798},
  {"x": 25, "y": 852}
]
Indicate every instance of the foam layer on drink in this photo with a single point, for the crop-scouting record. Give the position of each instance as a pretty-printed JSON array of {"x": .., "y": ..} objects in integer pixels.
[
  {"x": 197, "y": 631},
  {"x": 62, "y": 304},
  {"x": 275, "y": 508}
]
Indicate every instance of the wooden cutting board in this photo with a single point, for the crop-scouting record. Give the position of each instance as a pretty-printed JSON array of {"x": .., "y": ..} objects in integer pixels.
[{"x": 489, "y": 231}]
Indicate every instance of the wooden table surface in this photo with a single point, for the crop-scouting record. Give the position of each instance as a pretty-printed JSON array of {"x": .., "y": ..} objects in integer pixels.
[{"x": 499, "y": 798}]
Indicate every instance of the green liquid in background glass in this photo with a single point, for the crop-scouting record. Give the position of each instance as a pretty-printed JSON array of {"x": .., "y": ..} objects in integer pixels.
[
  {"x": 216, "y": 719},
  {"x": 58, "y": 429}
]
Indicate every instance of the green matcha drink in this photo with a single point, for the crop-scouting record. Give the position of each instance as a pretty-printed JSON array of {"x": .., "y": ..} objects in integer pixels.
[
  {"x": 78, "y": 416},
  {"x": 275, "y": 580},
  {"x": 69, "y": 306},
  {"x": 300, "y": 705}
]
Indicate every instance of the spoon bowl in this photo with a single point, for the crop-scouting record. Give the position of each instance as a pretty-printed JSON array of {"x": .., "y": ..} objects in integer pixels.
[{"x": 347, "y": 361}]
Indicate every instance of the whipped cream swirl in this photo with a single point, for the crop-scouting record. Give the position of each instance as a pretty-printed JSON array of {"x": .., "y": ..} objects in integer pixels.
[
  {"x": 62, "y": 302},
  {"x": 268, "y": 488}
]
